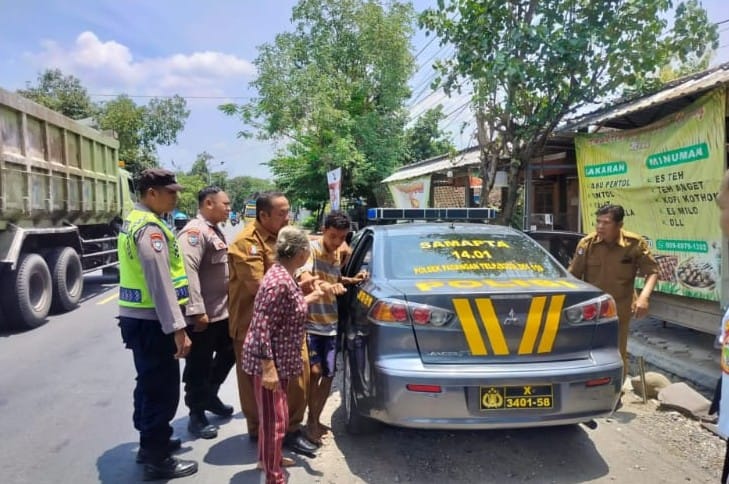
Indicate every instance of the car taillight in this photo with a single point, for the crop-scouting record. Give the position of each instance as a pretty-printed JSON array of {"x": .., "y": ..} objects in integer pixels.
[
  {"x": 592, "y": 311},
  {"x": 393, "y": 311},
  {"x": 389, "y": 312}
]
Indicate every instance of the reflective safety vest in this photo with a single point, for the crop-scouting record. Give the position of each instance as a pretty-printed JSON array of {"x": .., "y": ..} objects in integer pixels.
[{"x": 133, "y": 290}]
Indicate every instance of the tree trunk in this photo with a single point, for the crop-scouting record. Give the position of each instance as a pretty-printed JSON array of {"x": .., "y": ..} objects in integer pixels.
[{"x": 507, "y": 210}]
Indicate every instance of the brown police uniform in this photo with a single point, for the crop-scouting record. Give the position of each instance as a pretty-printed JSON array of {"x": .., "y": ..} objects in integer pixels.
[
  {"x": 612, "y": 268},
  {"x": 205, "y": 254},
  {"x": 249, "y": 257}
]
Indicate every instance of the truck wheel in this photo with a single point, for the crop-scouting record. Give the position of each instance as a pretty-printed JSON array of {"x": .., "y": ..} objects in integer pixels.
[
  {"x": 27, "y": 292},
  {"x": 67, "y": 278}
]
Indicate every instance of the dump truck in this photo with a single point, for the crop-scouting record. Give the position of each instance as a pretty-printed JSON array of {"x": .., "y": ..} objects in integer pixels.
[{"x": 63, "y": 196}]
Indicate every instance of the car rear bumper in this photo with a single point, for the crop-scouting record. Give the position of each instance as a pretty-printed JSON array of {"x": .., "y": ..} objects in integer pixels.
[{"x": 457, "y": 405}]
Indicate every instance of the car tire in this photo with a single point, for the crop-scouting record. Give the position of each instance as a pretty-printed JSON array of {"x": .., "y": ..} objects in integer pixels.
[
  {"x": 27, "y": 292},
  {"x": 67, "y": 277},
  {"x": 355, "y": 423}
]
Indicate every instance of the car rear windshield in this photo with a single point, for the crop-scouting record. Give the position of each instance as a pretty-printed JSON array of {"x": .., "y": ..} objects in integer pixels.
[{"x": 448, "y": 255}]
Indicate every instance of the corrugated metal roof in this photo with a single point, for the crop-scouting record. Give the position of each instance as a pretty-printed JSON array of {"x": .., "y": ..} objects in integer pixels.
[
  {"x": 467, "y": 157},
  {"x": 696, "y": 83}
]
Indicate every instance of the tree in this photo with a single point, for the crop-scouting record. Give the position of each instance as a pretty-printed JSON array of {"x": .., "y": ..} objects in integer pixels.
[
  {"x": 64, "y": 94},
  {"x": 531, "y": 63},
  {"x": 334, "y": 89},
  {"x": 242, "y": 188},
  {"x": 187, "y": 199},
  {"x": 425, "y": 139},
  {"x": 140, "y": 129}
]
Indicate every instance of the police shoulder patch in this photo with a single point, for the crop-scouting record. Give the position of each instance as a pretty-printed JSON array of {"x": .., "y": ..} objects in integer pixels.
[
  {"x": 157, "y": 241},
  {"x": 193, "y": 237}
]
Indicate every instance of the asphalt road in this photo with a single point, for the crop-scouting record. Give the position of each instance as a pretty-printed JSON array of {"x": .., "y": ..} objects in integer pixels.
[{"x": 65, "y": 398}]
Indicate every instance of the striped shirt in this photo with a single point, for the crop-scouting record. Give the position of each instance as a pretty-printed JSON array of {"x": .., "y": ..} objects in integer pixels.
[{"x": 326, "y": 265}]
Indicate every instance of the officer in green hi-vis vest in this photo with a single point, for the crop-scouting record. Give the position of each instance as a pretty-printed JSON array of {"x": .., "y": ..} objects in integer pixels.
[{"x": 152, "y": 287}]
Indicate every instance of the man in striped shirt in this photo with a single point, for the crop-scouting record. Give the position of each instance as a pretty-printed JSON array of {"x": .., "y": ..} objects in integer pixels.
[{"x": 325, "y": 264}]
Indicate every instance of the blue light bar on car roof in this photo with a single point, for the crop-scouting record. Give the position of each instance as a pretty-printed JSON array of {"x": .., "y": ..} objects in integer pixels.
[{"x": 444, "y": 214}]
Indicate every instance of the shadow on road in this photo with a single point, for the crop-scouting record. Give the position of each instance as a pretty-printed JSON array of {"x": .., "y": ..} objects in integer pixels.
[
  {"x": 117, "y": 465},
  {"x": 563, "y": 454},
  {"x": 96, "y": 285}
]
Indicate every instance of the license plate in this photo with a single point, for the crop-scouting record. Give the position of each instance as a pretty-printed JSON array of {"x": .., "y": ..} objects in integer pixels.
[{"x": 516, "y": 397}]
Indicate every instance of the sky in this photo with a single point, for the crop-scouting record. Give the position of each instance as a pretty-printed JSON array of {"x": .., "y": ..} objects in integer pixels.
[{"x": 203, "y": 51}]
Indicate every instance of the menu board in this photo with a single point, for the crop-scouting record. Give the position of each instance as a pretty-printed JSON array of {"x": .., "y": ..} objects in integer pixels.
[{"x": 666, "y": 176}]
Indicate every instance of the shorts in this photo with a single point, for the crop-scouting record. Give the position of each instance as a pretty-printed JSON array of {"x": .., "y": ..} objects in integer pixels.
[{"x": 323, "y": 351}]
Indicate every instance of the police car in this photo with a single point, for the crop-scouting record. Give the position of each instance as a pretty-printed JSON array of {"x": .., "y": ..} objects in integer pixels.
[{"x": 466, "y": 325}]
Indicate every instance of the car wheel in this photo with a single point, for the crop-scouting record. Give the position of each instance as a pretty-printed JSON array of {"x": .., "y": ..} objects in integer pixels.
[{"x": 354, "y": 422}]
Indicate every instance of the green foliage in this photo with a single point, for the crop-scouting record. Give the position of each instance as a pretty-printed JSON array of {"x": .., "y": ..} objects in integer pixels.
[
  {"x": 187, "y": 201},
  {"x": 425, "y": 139},
  {"x": 310, "y": 223},
  {"x": 64, "y": 94},
  {"x": 334, "y": 89},
  {"x": 242, "y": 188},
  {"x": 531, "y": 63},
  {"x": 140, "y": 129}
]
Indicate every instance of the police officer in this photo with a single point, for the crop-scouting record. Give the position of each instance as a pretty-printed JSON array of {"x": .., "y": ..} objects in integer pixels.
[
  {"x": 251, "y": 254},
  {"x": 152, "y": 287},
  {"x": 610, "y": 258},
  {"x": 205, "y": 253}
]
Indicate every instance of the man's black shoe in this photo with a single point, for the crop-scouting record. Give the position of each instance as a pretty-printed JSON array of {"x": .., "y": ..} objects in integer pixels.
[
  {"x": 199, "y": 426},
  {"x": 219, "y": 408},
  {"x": 169, "y": 468},
  {"x": 143, "y": 454},
  {"x": 296, "y": 442}
]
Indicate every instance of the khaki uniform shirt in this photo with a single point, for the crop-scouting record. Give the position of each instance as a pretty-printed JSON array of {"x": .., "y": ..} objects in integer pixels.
[
  {"x": 205, "y": 254},
  {"x": 613, "y": 267},
  {"x": 249, "y": 257},
  {"x": 155, "y": 262}
]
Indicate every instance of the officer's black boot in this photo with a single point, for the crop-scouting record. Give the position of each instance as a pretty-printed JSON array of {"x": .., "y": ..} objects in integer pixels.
[
  {"x": 199, "y": 426},
  {"x": 216, "y": 406},
  {"x": 168, "y": 468}
]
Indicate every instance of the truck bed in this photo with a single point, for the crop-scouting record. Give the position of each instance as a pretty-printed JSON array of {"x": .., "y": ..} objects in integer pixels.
[{"x": 53, "y": 170}]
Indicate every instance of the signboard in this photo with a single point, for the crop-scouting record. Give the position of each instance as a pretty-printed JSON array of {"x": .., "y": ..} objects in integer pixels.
[
  {"x": 334, "y": 181},
  {"x": 666, "y": 176},
  {"x": 412, "y": 193}
]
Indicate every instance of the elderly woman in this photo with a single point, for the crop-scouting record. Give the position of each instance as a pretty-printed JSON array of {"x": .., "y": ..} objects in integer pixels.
[{"x": 272, "y": 348}]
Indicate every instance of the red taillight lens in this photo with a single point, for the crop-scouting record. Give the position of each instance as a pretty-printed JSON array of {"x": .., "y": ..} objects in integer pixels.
[
  {"x": 421, "y": 316},
  {"x": 594, "y": 310},
  {"x": 423, "y": 388},
  {"x": 598, "y": 382},
  {"x": 389, "y": 312},
  {"x": 589, "y": 312}
]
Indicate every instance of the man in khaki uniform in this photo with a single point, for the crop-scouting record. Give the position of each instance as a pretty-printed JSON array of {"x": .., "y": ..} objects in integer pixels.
[
  {"x": 205, "y": 254},
  {"x": 610, "y": 258},
  {"x": 249, "y": 257}
]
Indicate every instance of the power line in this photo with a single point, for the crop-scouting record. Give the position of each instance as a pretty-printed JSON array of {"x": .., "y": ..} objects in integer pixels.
[{"x": 147, "y": 96}]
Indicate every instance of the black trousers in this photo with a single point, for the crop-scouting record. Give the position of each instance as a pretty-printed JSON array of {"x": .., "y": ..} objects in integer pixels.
[
  {"x": 208, "y": 364},
  {"x": 157, "y": 393}
]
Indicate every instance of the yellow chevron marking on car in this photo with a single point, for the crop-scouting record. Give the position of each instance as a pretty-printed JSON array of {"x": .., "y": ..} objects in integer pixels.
[
  {"x": 493, "y": 328},
  {"x": 495, "y": 333},
  {"x": 470, "y": 327},
  {"x": 551, "y": 325},
  {"x": 427, "y": 286},
  {"x": 534, "y": 320},
  {"x": 365, "y": 298}
]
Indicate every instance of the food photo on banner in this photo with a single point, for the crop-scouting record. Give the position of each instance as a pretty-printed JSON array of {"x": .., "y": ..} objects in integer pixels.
[
  {"x": 411, "y": 193},
  {"x": 666, "y": 175}
]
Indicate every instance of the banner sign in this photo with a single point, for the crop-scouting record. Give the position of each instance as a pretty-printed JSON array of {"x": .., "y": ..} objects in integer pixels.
[
  {"x": 334, "y": 181},
  {"x": 412, "y": 193},
  {"x": 666, "y": 176}
]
